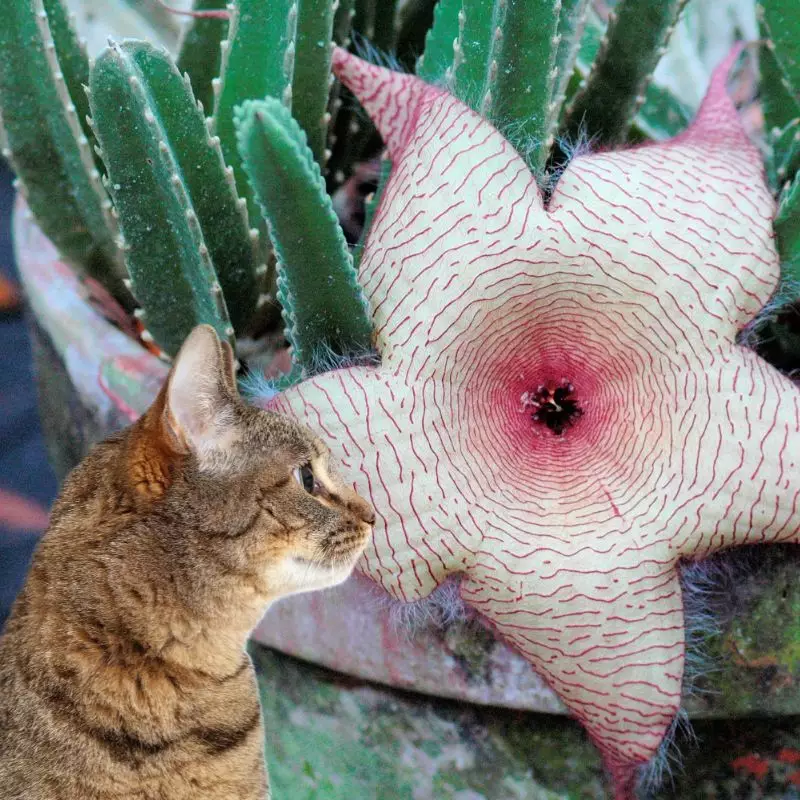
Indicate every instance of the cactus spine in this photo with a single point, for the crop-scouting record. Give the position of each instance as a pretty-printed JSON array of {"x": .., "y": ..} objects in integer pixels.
[{"x": 46, "y": 144}]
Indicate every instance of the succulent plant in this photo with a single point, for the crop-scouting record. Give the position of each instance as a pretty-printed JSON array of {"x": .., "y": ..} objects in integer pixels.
[{"x": 179, "y": 183}]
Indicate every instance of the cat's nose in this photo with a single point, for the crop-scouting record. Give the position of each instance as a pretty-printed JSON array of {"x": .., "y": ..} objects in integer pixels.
[{"x": 362, "y": 509}]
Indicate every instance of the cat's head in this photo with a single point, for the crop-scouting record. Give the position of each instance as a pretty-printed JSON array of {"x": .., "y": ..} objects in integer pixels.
[{"x": 251, "y": 487}]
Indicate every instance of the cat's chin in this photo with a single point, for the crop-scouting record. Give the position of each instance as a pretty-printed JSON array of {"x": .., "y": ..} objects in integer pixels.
[{"x": 303, "y": 575}]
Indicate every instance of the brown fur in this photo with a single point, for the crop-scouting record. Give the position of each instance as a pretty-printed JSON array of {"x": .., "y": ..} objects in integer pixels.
[{"x": 122, "y": 669}]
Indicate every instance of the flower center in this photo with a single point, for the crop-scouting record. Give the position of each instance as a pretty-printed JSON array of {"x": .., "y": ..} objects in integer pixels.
[{"x": 553, "y": 405}]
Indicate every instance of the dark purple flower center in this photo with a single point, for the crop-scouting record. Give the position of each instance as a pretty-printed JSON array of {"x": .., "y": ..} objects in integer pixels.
[{"x": 553, "y": 405}]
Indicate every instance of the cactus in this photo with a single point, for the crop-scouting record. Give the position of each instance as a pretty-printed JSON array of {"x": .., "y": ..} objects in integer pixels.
[
  {"x": 571, "y": 24},
  {"x": 519, "y": 62},
  {"x": 257, "y": 61},
  {"x": 200, "y": 53},
  {"x": 614, "y": 90},
  {"x": 323, "y": 306},
  {"x": 46, "y": 144},
  {"x": 312, "y": 77},
  {"x": 188, "y": 246},
  {"x": 780, "y": 88},
  {"x": 74, "y": 63},
  {"x": 499, "y": 57},
  {"x": 371, "y": 206}
]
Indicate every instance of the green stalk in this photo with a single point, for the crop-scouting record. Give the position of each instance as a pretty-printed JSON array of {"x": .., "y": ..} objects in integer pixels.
[
  {"x": 189, "y": 250},
  {"x": 200, "y": 53},
  {"x": 257, "y": 62},
  {"x": 615, "y": 88},
  {"x": 323, "y": 305},
  {"x": 44, "y": 141},
  {"x": 312, "y": 79}
]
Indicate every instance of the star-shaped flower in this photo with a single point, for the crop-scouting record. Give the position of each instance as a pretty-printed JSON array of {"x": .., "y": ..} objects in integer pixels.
[{"x": 562, "y": 412}]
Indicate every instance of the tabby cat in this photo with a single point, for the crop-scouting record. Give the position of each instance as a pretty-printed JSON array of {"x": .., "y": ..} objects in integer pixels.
[{"x": 122, "y": 669}]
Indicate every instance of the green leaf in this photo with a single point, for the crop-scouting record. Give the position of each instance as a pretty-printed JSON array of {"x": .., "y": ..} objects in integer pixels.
[
  {"x": 323, "y": 304},
  {"x": 200, "y": 53},
  {"x": 781, "y": 20},
  {"x": 784, "y": 162},
  {"x": 571, "y": 24},
  {"x": 257, "y": 62},
  {"x": 46, "y": 145},
  {"x": 312, "y": 79},
  {"x": 615, "y": 88},
  {"x": 435, "y": 65},
  {"x": 787, "y": 233},
  {"x": 188, "y": 246}
]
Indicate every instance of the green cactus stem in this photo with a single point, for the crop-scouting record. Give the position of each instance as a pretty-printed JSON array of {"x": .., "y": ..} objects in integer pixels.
[
  {"x": 199, "y": 51},
  {"x": 787, "y": 233},
  {"x": 312, "y": 78},
  {"x": 779, "y": 105},
  {"x": 48, "y": 149},
  {"x": 784, "y": 161},
  {"x": 189, "y": 250},
  {"x": 370, "y": 207},
  {"x": 257, "y": 62},
  {"x": 571, "y": 24},
  {"x": 780, "y": 88},
  {"x": 661, "y": 116},
  {"x": 435, "y": 65},
  {"x": 323, "y": 305},
  {"x": 499, "y": 57},
  {"x": 74, "y": 63},
  {"x": 781, "y": 21},
  {"x": 614, "y": 90}
]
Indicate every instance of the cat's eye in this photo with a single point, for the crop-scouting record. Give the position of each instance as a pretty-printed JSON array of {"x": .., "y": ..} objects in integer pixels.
[{"x": 305, "y": 477}]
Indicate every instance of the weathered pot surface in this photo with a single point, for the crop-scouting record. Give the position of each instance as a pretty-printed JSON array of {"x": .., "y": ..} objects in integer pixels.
[{"x": 93, "y": 379}]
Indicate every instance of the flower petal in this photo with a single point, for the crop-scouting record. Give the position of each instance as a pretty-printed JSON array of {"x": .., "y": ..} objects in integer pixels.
[
  {"x": 693, "y": 214},
  {"x": 606, "y": 633},
  {"x": 459, "y": 203}
]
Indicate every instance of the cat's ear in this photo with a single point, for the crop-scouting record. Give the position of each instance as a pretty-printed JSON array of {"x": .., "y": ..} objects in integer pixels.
[
  {"x": 201, "y": 395},
  {"x": 230, "y": 367}
]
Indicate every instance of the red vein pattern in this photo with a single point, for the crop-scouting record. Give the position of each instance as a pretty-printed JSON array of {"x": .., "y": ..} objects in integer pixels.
[{"x": 631, "y": 286}]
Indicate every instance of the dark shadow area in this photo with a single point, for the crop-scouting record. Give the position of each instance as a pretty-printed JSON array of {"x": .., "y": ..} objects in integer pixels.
[{"x": 25, "y": 474}]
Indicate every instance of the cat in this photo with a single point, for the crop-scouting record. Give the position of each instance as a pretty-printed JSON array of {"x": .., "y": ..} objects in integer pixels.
[{"x": 122, "y": 667}]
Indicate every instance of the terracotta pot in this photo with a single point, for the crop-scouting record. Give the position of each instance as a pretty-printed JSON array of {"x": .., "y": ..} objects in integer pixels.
[{"x": 93, "y": 379}]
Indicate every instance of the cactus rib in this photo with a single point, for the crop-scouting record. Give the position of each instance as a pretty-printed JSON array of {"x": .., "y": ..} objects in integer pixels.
[
  {"x": 257, "y": 62},
  {"x": 499, "y": 58},
  {"x": 199, "y": 52},
  {"x": 312, "y": 77},
  {"x": 74, "y": 63},
  {"x": 435, "y": 65},
  {"x": 615, "y": 88},
  {"x": 323, "y": 305},
  {"x": 571, "y": 24},
  {"x": 48, "y": 149},
  {"x": 170, "y": 187},
  {"x": 787, "y": 233}
]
